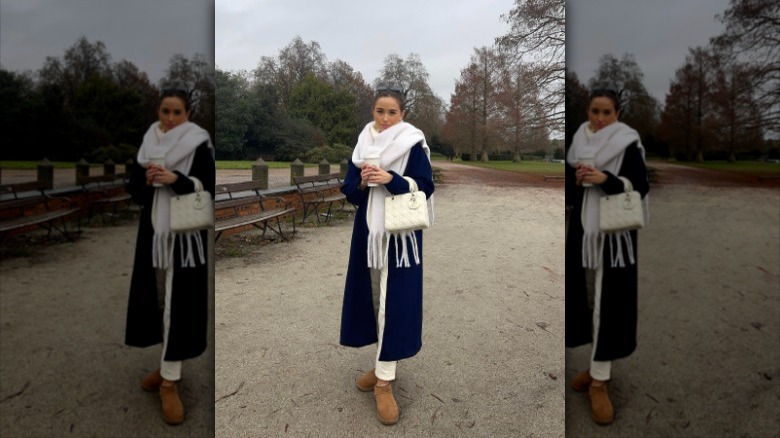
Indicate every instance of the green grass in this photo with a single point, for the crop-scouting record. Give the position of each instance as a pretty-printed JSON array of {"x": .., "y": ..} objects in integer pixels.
[
  {"x": 233, "y": 165},
  {"x": 535, "y": 167},
  {"x": 749, "y": 167}
]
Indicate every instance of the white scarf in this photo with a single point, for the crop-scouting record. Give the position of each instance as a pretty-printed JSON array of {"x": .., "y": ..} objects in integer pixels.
[
  {"x": 608, "y": 145},
  {"x": 178, "y": 146},
  {"x": 393, "y": 146}
]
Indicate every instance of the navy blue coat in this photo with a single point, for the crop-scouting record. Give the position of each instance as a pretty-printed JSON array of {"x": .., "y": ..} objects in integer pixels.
[
  {"x": 404, "y": 300},
  {"x": 188, "y": 333},
  {"x": 618, "y": 316}
]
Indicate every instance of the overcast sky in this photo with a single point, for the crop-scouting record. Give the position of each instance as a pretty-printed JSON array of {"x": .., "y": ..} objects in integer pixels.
[
  {"x": 658, "y": 34},
  {"x": 443, "y": 32},
  {"x": 144, "y": 32}
]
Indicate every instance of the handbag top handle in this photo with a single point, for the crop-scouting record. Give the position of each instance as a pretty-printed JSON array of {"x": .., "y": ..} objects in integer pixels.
[
  {"x": 627, "y": 184},
  {"x": 412, "y": 184},
  {"x": 197, "y": 183}
]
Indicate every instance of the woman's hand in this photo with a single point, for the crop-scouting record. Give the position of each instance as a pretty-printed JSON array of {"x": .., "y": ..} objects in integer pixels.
[
  {"x": 373, "y": 174},
  {"x": 160, "y": 175},
  {"x": 589, "y": 174}
]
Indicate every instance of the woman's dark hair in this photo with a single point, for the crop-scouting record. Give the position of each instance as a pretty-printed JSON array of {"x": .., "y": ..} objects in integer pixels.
[
  {"x": 176, "y": 91},
  {"x": 605, "y": 90},
  {"x": 394, "y": 91}
]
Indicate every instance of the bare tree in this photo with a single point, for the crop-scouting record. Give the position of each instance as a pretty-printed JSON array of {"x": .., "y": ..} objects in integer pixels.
[
  {"x": 737, "y": 117},
  {"x": 197, "y": 76},
  {"x": 688, "y": 111},
  {"x": 423, "y": 107},
  {"x": 637, "y": 107},
  {"x": 520, "y": 110},
  {"x": 752, "y": 37},
  {"x": 475, "y": 104},
  {"x": 537, "y": 38}
]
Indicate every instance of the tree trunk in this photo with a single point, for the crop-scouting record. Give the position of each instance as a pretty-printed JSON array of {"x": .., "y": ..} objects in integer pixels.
[{"x": 485, "y": 158}]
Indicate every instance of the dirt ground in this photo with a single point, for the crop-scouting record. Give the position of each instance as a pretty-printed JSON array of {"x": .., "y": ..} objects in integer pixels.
[
  {"x": 492, "y": 362},
  {"x": 707, "y": 361}
]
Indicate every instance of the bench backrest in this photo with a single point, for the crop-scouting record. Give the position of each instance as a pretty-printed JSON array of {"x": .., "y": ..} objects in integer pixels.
[
  {"x": 317, "y": 179},
  {"x": 84, "y": 180},
  {"x": 232, "y": 188},
  {"x": 16, "y": 189}
]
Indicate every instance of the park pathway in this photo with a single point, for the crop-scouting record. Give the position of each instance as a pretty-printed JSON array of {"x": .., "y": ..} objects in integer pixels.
[{"x": 492, "y": 357}]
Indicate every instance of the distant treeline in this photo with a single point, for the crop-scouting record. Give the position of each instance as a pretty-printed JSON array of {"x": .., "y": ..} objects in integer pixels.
[
  {"x": 299, "y": 105},
  {"x": 723, "y": 102},
  {"x": 85, "y": 106}
]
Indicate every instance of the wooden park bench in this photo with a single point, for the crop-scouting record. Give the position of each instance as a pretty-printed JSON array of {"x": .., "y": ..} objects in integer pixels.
[
  {"x": 319, "y": 190},
  {"x": 26, "y": 205},
  {"x": 105, "y": 191},
  {"x": 252, "y": 208}
]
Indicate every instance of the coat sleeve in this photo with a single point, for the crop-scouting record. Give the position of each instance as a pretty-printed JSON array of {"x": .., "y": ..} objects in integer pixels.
[
  {"x": 418, "y": 168},
  {"x": 350, "y": 187},
  {"x": 634, "y": 169},
  {"x": 141, "y": 193},
  {"x": 570, "y": 183},
  {"x": 202, "y": 168}
]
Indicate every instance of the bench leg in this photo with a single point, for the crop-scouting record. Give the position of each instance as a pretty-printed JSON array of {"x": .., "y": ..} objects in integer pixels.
[
  {"x": 308, "y": 209},
  {"x": 328, "y": 217},
  {"x": 63, "y": 228}
]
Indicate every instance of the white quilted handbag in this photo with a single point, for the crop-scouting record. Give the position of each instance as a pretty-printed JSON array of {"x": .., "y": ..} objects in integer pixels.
[
  {"x": 408, "y": 211},
  {"x": 193, "y": 211},
  {"x": 621, "y": 212}
]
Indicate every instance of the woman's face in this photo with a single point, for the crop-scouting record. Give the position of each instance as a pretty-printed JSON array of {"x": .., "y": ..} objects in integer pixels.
[
  {"x": 601, "y": 113},
  {"x": 387, "y": 113},
  {"x": 172, "y": 113}
]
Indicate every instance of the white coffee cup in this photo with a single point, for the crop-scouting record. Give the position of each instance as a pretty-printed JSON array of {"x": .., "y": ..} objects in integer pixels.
[
  {"x": 374, "y": 161},
  {"x": 588, "y": 160},
  {"x": 158, "y": 161}
]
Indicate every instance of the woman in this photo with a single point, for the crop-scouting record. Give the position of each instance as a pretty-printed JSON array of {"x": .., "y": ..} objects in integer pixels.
[
  {"x": 383, "y": 292},
  {"x": 611, "y": 258},
  {"x": 179, "y": 318}
]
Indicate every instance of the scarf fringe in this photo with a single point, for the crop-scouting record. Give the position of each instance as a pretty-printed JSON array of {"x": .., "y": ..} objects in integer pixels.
[
  {"x": 379, "y": 248},
  {"x": 161, "y": 253},
  {"x": 189, "y": 243},
  {"x": 593, "y": 248}
]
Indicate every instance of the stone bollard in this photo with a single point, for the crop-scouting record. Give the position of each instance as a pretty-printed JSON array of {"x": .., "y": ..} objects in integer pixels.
[
  {"x": 324, "y": 167},
  {"x": 260, "y": 173},
  {"x": 343, "y": 168},
  {"x": 109, "y": 168},
  {"x": 46, "y": 173},
  {"x": 82, "y": 170},
  {"x": 296, "y": 169}
]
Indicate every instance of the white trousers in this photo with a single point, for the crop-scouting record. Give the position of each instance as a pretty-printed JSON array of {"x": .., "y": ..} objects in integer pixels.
[
  {"x": 169, "y": 370},
  {"x": 384, "y": 370},
  {"x": 599, "y": 370}
]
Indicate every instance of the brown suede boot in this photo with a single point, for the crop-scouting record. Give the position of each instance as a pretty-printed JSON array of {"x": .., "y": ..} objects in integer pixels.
[
  {"x": 366, "y": 381},
  {"x": 600, "y": 405},
  {"x": 386, "y": 407},
  {"x": 172, "y": 409},
  {"x": 152, "y": 381},
  {"x": 581, "y": 383}
]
